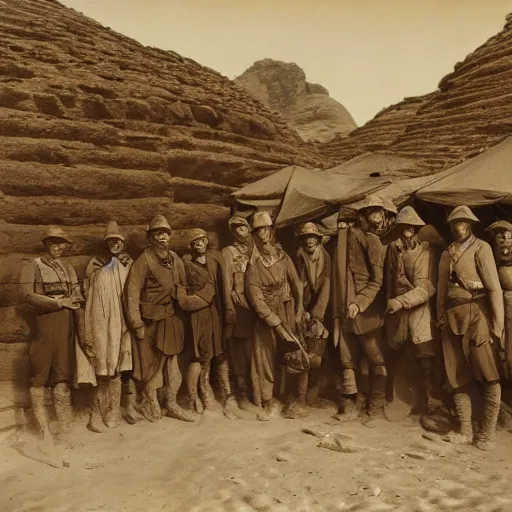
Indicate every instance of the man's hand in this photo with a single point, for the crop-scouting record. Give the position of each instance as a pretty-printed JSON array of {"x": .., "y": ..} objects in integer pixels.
[
  {"x": 394, "y": 305},
  {"x": 69, "y": 303},
  {"x": 353, "y": 311},
  {"x": 140, "y": 333}
]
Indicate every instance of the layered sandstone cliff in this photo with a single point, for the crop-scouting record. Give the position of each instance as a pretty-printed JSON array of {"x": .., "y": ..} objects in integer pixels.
[
  {"x": 94, "y": 126},
  {"x": 471, "y": 111},
  {"x": 307, "y": 107}
]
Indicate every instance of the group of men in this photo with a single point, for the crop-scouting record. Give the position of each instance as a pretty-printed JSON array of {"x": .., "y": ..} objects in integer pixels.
[{"x": 255, "y": 320}]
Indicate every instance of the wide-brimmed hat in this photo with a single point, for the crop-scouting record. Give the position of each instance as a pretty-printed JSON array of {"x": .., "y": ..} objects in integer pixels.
[
  {"x": 236, "y": 220},
  {"x": 196, "y": 234},
  {"x": 55, "y": 232},
  {"x": 112, "y": 231},
  {"x": 159, "y": 223},
  {"x": 408, "y": 216},
  {"x": 462, "y": 213},
  {"x": 308, "y": 229},
  {"x": 373, "y": 201},
  {"x": 262, "y": 220}
]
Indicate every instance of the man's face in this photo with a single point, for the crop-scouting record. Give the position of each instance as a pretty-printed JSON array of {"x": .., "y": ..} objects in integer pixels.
[
  {"x": 503, "y": 241},
  {"x": 161, "y": 238},
  {"x": 376, "y": 220},
  {"x": 263, "y": 234},
  {"x": 310, "y": 243},
  {"x": 115, "y": 245},
  {"x": 408, "y": 232},
  {"x": 241, "y": 231},
  {"x": 199, "y": 245},
  {"x": 55, "y": 247},
  {"x": 460, "y": 230}
]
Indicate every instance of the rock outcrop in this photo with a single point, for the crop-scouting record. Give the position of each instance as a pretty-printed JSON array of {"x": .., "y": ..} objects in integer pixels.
[
  {"x": 470, "y": 111},
  {"x": 307, "y": 107},
  {"x": 94, "y": 126}
]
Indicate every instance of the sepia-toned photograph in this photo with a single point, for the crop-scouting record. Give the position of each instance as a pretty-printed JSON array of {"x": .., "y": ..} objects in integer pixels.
[{"x": 254, "y": 256}]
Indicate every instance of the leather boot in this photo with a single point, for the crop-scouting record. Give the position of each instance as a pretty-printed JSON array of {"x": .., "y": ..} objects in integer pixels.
[
  {"x": 231, "y": 410},
  {"x": 96, "y": 419},
  {"x": 63, "y": 408},
  {"x": 193, "y": 374},
  {"x": 113, "y": 403},
  {"x": 131, "y": 413},
  {"x": 39, "y": 410},
  {"x": 463, "y": 407},
  {"x": 348, "y": 410},
  {"x": 206, "y": 390},
  {"x": 297, "y": 409},
  {"x": 173, "y": 408},
  {"x": 150, "y": 405},
  {"x": 377, "y": 400},
  {"x": 486, "y": 437}
]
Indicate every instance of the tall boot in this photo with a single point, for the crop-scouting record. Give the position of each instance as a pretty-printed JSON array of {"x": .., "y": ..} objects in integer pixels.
[
  {"x": 486, "y": 437},
  {"x": 463, "y": 407},
  {"x": 231, "y": 410},
  {"x": 96, "y": 419},
  {"x": 193, "y": 374},
  {"x": 39, "y": 410},
  {"x": 171, "y": 392},
  {"x": 427, "y": 376},
  {"x": 131, "y": 413},
  {"x": 65, "y": 415},
  {"x": 348, "y": 409},
  {"x": 377, "y": 398},
  {"x": 297, "y": 408},
  {"x": 205, "y": 388},
  {"x": 113, "y": 402}
]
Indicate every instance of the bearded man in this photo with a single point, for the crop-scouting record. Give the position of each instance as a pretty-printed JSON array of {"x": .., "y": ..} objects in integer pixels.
[
  {"x": 471, "y": 319},
  {"x": 156, "y": 299},
  {"x": 240, "y": 335},
  {"x": 274, "y": 291},
  {"x": 50, "y": 290},
  {"x": 410, "y": 282},
  {"x": 107, "y": 337},
  {"x": 205, "y": 268},
  {"x": 364, "y": 317}
]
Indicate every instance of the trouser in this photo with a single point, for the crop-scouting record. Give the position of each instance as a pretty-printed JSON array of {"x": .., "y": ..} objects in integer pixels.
[
  {"x": 240, "y": 352},
  {"x": 198, "y": 377}
]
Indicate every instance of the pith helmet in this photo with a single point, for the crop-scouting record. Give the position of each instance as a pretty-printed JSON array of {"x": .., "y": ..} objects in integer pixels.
[
  {"x": 262, "y": 220},
  {"x": 55, "y": 232},
  {"x": 409, "y": 217},
  {"x": 389, "y": 206},
  {"x": 112, "y": 231},
  {"x": 195, "y": 234},
  {"x": 500, "y": 225},
  {"x": 159, "y": 222},
  {"x": 236, "y": 220},
  {"x": 375, "y": 201},
  {"x": 309, "y": 228},
  {"x": 462, "y": 213}
]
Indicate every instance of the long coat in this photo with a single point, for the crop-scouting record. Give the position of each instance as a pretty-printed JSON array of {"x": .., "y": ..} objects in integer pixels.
[
  {"x": 410, "y": 279},
  {"x": 469, "y": 305}
]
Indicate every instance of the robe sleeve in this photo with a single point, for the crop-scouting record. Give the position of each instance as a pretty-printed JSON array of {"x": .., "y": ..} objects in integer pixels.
[
  {"x": 488, "y": 272},
  {"x": 194, "y": 302},
  {"x": 442, "y": 284},
  {"x": 36, "y": 302},
  {"x": 257, "y": 300},
  {"x": 324, "y": 293},
  {"x": 423, "y": 289},
  {"x": 376, "y": 254},
  {"x": 76, "y": 290},
  {"x": 134, "y": 285},
  {"x": 295, "y": 284}
]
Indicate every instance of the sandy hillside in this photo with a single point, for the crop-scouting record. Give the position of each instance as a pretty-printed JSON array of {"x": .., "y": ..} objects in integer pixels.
[{"x": 222, "y": 465}]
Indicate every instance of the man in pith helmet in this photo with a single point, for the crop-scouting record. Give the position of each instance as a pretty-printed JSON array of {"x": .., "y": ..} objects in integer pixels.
[
  {"x": 274, "y": 291},
  {"x": 364, "y": 317},
  {"x": 411, "y": 278},
  {"x": 240, "y": 334},
  {"x": 501, "y": 233},
  {"x": 107, "y": 338},
  {"x": 205, "y": 269},
  {"x": 156, "y": 298},
  {"x": 471, "y": 319},
  {"x": 314, "y": 269},
  {"x": 50, "y": 290}
]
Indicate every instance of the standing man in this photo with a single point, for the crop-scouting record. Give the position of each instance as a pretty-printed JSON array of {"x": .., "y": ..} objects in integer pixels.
[
  {"x": 107, "y": 336},
  {"x": 240, "y": 335},
  {"x": 411, "y": 279},
  {"x": 156, "y": 299},
  {"x": 50, "y": 290},
  {"x": 471, "y": 319},
  {"x": 314, "y": 269},
  {"x": 205, "y": 269},
  {"x": 274, "y": 291},
  {"x": 364, "y": 317}
]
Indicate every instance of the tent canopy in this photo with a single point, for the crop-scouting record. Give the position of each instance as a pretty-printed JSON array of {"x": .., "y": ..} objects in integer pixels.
[
  {"x": 480, "y": 181},
  {"x": 385, "y": 163}
]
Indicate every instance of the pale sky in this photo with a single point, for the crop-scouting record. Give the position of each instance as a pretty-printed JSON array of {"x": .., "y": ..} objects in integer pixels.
[{"x": 367, "y": 53}]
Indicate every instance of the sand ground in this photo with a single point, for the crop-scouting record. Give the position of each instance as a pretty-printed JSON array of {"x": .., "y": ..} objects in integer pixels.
[{"x": 218, "y": 464}]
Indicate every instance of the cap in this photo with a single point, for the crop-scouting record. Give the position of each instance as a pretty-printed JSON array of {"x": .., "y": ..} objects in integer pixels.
[
  {"x": 112, "y": 231},
  {"x": 500, "y": 225},
  {"x": 159, "y": 222},
  {"x": 55, "y": 232},
  {"x": 408, "y": 216},
  {"x": 237, "y": 221},
  {"x": 195, "y": 234},
  {"x": 462, "y": 213},
  {"x": 262, "y": 220},
  {"x": 309, "y": 228}
]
